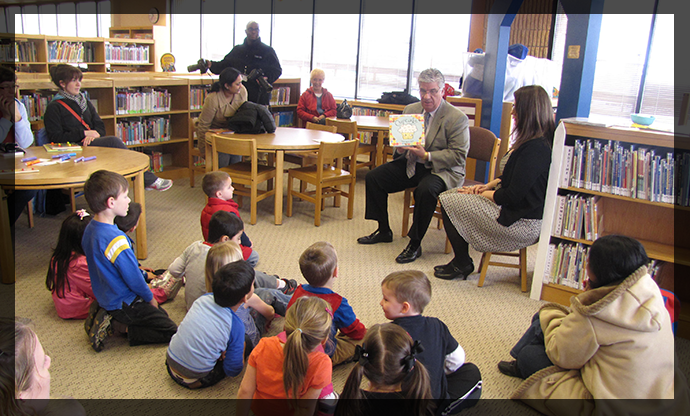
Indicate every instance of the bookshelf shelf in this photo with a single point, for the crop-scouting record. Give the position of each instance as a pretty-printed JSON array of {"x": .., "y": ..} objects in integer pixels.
[
  {"x": 653, "y": 224},
  {"x": 179, "y": 140}
]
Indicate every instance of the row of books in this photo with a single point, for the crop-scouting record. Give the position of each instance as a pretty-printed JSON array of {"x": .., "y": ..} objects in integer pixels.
[
  {"x": 35, "y": 105},
  {"x": 198, "y": 161},
  {"x": 366, "y": 136},
  {"x": 135, "y": 54},
  {"x": 197, "y": 95},
  {"x": 156, "y": 161},
  {"x": 148, "y": 130},
  {"x": 284, "y": 118},
  {"x": 142, "y": 100},
  {"x": 64, "y": 51},
  {"x": 566, "y": 264},
  {"x": 23, "y": 52},
  {"x": 577, "y": 216},
  {"x": 626, "y": 170},
  {"x": 280, "y": 96}
]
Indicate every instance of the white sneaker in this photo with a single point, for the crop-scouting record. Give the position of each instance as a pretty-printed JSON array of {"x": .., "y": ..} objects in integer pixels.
[
  {"x": 160, "y": 185},
  {"x": 169, "y": 283}
]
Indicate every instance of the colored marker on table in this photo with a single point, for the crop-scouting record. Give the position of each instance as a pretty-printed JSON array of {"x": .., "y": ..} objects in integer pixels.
[
  {"x": 28, "y": 159},
  {"x": 79, "y": 159},
  {"x": 86, "y": 159}
]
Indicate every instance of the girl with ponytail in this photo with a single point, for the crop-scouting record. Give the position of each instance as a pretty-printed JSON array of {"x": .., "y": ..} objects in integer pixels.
[
  {"x": 387, "y": 360},
  {"x": 291, "y": 368}
]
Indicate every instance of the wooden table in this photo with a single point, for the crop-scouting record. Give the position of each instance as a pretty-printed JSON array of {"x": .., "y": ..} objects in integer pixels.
[
  {"x": 378, "y": 125},
  {"x": 284, "y": 139},
  {"x": 128, "y": 163}
]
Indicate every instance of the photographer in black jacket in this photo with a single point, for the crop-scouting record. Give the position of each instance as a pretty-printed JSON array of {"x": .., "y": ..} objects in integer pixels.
[{"x": 250, "y": 58}]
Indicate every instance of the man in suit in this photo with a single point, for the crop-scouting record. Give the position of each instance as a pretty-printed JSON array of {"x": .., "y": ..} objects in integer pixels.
[{"x": 432, "y": 168}]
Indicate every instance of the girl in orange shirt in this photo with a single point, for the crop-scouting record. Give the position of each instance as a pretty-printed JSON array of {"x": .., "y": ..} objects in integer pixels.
[{"x": 291, "y": 365}]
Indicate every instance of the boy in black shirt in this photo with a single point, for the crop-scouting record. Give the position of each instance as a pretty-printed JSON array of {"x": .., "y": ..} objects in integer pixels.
[{"x": 455, "y": 384}]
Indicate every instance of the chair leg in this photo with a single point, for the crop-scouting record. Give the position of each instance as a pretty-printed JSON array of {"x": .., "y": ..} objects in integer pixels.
[
  {"x": 72, "y": 199},
  {"x": 484, "y": 266},
  {"x": 336, "y": 198},
  {"x": 289, "y": 196},
  {"x": 30, "y": 211},
  {"x": 351, "y": 200},
  {"x": 406, "y": 212},
  {"x": 252, "y": 204},
  {"x": 318, "y": 205},
  {"x": 523, "y": 269}
]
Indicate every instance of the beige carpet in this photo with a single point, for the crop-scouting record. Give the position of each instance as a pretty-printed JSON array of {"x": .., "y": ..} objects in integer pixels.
[{"x": 486, "y": 321}]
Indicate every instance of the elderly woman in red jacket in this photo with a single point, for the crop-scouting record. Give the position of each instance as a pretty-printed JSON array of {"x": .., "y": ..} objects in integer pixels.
[{"x": 316, "y": 103}]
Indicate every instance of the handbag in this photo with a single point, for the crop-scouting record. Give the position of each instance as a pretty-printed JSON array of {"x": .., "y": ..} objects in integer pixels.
[{"x": 343, "y": 110}]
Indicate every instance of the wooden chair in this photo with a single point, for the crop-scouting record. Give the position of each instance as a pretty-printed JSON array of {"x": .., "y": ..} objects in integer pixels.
[
  {"x": 328, "y": 177},
  {"x": 194, "y": 151},
  {"x": 308, "y": 158},
  {"x": 246, "y": 176},
  {"x": 484, "y": 147},
  {"x": 522, "y": 265},
  {"x": 349, "y": 130}
]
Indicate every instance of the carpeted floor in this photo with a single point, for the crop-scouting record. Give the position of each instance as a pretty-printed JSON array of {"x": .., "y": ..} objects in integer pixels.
[{"x": 486, "y": 321}]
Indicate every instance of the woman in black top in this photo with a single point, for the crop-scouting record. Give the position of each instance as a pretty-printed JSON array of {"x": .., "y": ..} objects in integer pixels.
[
  {"x": 505, "y": 214},
  {"x": 82, "y": 125}
]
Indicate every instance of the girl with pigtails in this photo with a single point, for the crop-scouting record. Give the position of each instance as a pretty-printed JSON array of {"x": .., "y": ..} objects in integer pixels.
[
  {"x": 387, "y": 360},
  {"x": 289, "y": 374}
]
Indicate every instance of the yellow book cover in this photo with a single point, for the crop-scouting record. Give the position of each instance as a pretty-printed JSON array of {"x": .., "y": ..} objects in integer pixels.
[{"x": 406, "y": 129}]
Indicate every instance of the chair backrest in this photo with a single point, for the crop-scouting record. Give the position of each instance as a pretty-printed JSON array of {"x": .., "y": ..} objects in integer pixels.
[
  {"x": 484, "y": 147},
  {"x": 472, "y": 107},
  {"x": 329, "y": 151},
  {"x": 316, "y": 126},
  {"x": 348, "y": 128},
  {"x": 234, "y": 146}
]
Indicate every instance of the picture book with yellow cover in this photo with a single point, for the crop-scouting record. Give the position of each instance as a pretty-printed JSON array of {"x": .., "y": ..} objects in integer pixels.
[{"x": 406, "y": 129}]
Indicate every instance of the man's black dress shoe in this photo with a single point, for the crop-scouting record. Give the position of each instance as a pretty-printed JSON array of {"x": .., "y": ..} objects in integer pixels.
[
  {"x": 377, "y": 237},
  {"x": 450, "y": 271},
  {"x": 509, "y": 368},
  {"x": 409, "y": 254}
]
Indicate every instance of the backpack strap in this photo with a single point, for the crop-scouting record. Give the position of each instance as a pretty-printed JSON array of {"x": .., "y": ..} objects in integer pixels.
[{"x": 74, "y": 114}]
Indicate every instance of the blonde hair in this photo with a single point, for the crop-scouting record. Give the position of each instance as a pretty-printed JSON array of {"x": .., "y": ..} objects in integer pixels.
[
  {"x": 307, "y": 324},
  {"x": 17, "y": 363},
  {"x": 318, "y": 262},
  {"x": 316, "y": 72},
  {"x": 218, "y": 256},
  {"x": 411, "y": 286}
]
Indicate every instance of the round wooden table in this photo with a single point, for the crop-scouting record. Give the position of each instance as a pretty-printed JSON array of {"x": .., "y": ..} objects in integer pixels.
[
  {"x": 376, "y": 124},
  {"x": 128, "y": 163},
  {"x": 284, "y": 139}
]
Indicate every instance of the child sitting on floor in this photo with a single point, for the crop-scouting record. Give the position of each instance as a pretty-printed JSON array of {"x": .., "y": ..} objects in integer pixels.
[
  {"x": 209, "y": 343},
  {"x": 217, "y": 185},
  {"x": 455, "y": 384},
  {"x": 290, "y": 368},
  {"x": 388, "y": 359},
  {"x": 258, "y": 311},
  {"x": 319, "y": 265},
  {"x": 118, "y": 283},
  {"x": 68, "y": 275},
  {"x": 223, "y": 226},
  {"x": 163, "y": 285}
]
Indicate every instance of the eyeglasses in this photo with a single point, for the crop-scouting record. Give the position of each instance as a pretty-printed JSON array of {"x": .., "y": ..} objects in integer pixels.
[
  {"x": 251, "y": 29},
  {"x": 424, "y": 92}
]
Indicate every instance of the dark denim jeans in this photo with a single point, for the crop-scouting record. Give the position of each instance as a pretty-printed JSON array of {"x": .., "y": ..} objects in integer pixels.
[
  {"x": 530, "y": 351},
  {"x": 146, "y": 324}
]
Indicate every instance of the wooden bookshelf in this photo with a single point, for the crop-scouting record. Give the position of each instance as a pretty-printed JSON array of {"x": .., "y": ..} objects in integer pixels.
[
  {"x": 295, "y": 91},
  {"x": 652, "y": 223}
]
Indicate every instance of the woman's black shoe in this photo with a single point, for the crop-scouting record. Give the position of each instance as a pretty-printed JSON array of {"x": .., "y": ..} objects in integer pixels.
[
  {"x": 450, "y": 271},
  {"x": 442, "y": 266},
  {"x": 509, "y": 368}
]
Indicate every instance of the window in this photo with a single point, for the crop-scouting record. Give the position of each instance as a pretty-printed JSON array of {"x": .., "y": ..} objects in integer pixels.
[
  {"x": 14, "y": 19},
  {"x": 104, "y": 18},
  {"x": 336, "y": 52},
  {"x": 294, "y": 51},
  {"x": 30, "y": 19},
  {"x": 658, "y": 95},
  {"x": 429, "y": 28},
  {"x": 87, "y": 19},
  {"x": 216, "y": 29},
  {"x": 185, "y": 44},
  {"x": 67, "y": 20},
  {"x": 47, "y": 19}
]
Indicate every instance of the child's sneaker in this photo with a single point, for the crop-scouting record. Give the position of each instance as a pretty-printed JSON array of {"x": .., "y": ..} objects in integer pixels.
[
  {"x": 100, "y": 329},
  {"x": 93, "y": 310},
  {"x": 290, "y": 286},
  {"x": 160, "y": 185},
  {"x": 169, "y": 283}
]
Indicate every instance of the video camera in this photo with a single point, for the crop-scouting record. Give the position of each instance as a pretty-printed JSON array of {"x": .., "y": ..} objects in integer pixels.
[
  {"x": 258, "y": 75},
  {"x": 201, "y": 65}
]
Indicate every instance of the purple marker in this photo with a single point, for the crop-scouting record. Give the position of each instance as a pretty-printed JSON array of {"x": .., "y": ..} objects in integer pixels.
[
  {"x": 28, "y": 159},
  {"x": 59, "y": 156},
  {"x": 79, "y": 159},
  {"x": 86, "y": 159},
  {"x": 65, "y": 157}
]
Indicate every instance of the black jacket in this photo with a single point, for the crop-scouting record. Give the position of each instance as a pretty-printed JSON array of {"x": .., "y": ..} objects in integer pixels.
[
  {"x": 62, "y": 127},
  {"x": 252, "y": 118},
  {"x": 523, "y": 183},
  {"x": 245, "y": 57}
]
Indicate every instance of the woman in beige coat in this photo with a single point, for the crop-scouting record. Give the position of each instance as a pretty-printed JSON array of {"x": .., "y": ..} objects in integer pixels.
[{"x": 615, "y": 342}]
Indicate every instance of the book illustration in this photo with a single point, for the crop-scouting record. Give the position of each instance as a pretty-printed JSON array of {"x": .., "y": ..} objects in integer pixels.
[
  {"x": 62, "y": 147},
  {"x": 406, "y": 129}
]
